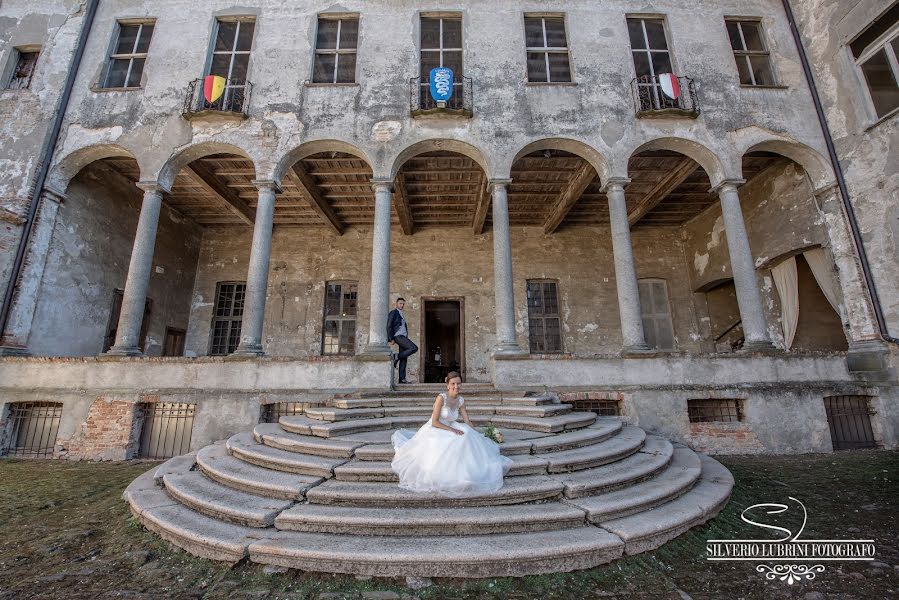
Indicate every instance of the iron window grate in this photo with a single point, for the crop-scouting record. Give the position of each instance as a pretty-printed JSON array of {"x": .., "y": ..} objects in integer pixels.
[
  {"x": 166, "y": 429},
  {"x": 34, "y": 426},
  {"x": 604, "y": 408},
  {"x": 849, "y": 419},
  {"x": 271, "y": 413},
  {"x": 712, "y": 410}
]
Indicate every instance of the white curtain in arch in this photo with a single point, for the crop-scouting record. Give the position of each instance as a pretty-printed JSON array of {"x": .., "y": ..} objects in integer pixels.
[
  {"x": 820, "y": 266},
  {"x": 786, "y": 282}
]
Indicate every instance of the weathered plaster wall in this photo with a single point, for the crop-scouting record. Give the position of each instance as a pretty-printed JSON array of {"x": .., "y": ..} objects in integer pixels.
[
  {"x": 89, "y": 258},
  {"x": 442, "y": 262},
  {"x": 25, "y": 115},
  {"x": 868, "y": 148}
]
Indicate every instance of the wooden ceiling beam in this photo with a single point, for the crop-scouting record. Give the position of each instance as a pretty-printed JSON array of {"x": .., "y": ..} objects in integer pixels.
[
  {"x": 204, "y": 176},
  {"x": 675, "y": 177},
  {"x": 306, "y": 184},
  {"x": 483, "y": 206},
  {"x": 401, "y": 205},
  {"x": 569, "y": 196}
]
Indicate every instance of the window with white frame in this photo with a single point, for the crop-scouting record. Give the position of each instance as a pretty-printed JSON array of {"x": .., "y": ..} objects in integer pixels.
[
  {"x": 231, "y": 58},
  {"x": 441, "y": 46},
  {"x": 24, "y": 62},
  {"x": 335, "y": 50},
  {"x": 876, "y": 52},
  {"x": 547, "y": 47},
  {"x": 750, "y": 52},
  {"x": 339, "y": 331},
  {"x": 128, "y": 55},
  {"x": 656, "y": 314},
  {"x": 649, "y": 47}
]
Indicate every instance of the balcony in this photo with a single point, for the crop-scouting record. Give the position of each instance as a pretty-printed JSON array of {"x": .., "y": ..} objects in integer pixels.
[
  {"x": 233, "y": 103},
  {"x": 460, "y": 104},
  {"x": 653, "y": 99}
]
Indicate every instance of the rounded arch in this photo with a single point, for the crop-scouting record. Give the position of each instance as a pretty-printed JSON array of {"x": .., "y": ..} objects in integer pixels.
[
  {"x": 309, "y": 148},
  {"x": 182, "y": 158},
  {"x": 585, "y": 151},
  {"x": 708, "y": 160},
  {"x": 816, "y": 166},
  {"x": 436, "y": 145},
  {"x": 72, "y": 163}
]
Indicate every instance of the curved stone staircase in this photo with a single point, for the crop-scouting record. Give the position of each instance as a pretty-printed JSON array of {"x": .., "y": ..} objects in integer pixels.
[{"x": 315, "y": 492}]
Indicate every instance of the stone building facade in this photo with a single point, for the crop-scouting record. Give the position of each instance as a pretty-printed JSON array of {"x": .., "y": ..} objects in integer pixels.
[{"x": 564, "y": 222}]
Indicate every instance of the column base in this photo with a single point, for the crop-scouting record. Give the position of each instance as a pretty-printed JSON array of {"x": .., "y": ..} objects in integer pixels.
[
  {"x": 758, "y": 346},
  {"x": 14, "y": 350},
  {"x": 123, "y": 351},
  {"x": 249, "y": 350},
  {"x": 637, "y": 350},
  {"x": 508, "y": 349},
  {"x": 868, "y": 357},
  {"x": 375, "y": 352}
]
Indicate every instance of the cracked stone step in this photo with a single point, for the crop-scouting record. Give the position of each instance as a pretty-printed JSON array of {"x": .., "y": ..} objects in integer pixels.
[
  {"x": 629, "y": 440},
  {"x": 651, "y": 459},
  {"x": 327, "y": 429},
  {"x": 428, "y": 400},
  {"x": 212, "y": 499},
  {"x": 215, "y": 462},
  {"x": 319, "y": 518},
  {"x": 327, "y": 413},
  {"x": 652, "y": 528},
  {"x": 602, "y": 429},
  {"x": 554, "y": 424},
  {"x": 367, "y": 470},
  {"x": 441, "y": 556},
  {"x": 271, "y": 434},
  {"x": 515, "y": 490},
  {"x": 244, "y": 447},
  {"x": 384, "y": 452},
  {"x": 681, "y": 474}
]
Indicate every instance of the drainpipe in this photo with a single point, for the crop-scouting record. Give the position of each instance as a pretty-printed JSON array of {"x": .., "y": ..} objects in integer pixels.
[
  {"x": 46, "y": 156},
  {"x": 841, "y": 180}
]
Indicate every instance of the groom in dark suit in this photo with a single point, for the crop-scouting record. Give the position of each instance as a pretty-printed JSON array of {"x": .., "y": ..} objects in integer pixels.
[{"x": 398, "y": 332}]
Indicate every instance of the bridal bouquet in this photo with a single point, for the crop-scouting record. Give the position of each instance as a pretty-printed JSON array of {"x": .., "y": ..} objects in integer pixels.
[{"x": 491, "y": 432}]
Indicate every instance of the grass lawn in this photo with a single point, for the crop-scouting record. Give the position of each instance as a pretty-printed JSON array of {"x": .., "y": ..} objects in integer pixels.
[{"x": 67, "y": 534}]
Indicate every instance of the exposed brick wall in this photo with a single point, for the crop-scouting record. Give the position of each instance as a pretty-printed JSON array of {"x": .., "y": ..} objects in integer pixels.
[
  {"x": 724, "y": 438},
  {"x": 108, "y": 433}
]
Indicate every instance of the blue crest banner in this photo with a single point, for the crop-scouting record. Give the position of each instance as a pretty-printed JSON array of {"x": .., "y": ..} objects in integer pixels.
[{"x": 441, "y": 84}]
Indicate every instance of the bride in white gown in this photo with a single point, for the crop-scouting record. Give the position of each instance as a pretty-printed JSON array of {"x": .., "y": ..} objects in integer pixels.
[{"x": 445, "y": 456}]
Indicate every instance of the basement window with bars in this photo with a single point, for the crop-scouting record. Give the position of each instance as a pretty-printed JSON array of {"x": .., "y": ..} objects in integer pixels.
[
  {"x": 339, "y": 330},
  {"x": 271, "y": 413},
  {"x": 547, "y": 48},
  {"x": 656, "y": 313},
  {"x": 24, "y": 62},
  {"x": 714, "y": 410},
  {"x": 750, "y": 52},
  {"x": 335, "y": 50},
  {"x": 32, "y": 428},
  {"x": 544, "y": 319},
  {"x": 226, "y": 320},
  {"x": 849, "y": 419},
  {"x": 604, "y": 408},
  {"x": 166, "y": 429},
  {"x": 128, "y": 55}
]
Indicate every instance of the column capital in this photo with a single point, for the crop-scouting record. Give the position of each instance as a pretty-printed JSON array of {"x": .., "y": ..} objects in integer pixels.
[
  {"x": 613, "y": 182},
  {"x": 267, "y": 184},
  {"x": 149, "y": 185},
  {"x": 381, "y": 183},
  {"x": 54, "y": 195},
  {"x": 727, "y": 184}
]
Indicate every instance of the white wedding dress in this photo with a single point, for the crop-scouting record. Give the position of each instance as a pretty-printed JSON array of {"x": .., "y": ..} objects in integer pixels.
[{"x": 435, "y": 460}]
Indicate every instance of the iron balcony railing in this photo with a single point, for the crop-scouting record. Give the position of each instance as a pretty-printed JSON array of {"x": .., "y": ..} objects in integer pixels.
[
  {"x": 650, "y": 99},
  {"x": 421, "y": 102},
  {"x": 235, "y": 98}
]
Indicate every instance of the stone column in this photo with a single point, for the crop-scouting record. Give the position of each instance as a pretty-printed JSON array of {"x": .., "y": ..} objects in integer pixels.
[
  {"x": 380, "y": 269},
  {"x": 127, "y": 340},
  {"x": 632, "y": 336},
  {"x": 14, "y": 341},
  {"x": 506, "y": 341},
  {"x": 749, "y": 299},
  {"x": 257, "y": 272}
]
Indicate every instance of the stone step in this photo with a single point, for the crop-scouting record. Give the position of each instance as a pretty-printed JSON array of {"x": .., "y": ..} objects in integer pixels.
[
  {"x": 649, "y": 460},
  {"x": 244, "y": 447},
  {"x": 480, "y": 410},
  {"x": 602, "y": 429},
  {"x": 384, "y": 452},
  {"x": 492, "y": 520},
  {"x": 329, "y": 413},
  {"x": 367, "y": 470},
  {"x": 677, "y": 479},
  {"x": 215, "y": 462},
  {"x": 629, "y": 440},
  {"x": 428, "y": 400},
  {"x": 652, "y": 528},
  {"x": 271, "y": 434},
  {"x": 441, "y": 556},
  {"x": 212, "y": 499},
  {"x": 555, "y": 424},
  {"x": 515, "y": 490}
]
